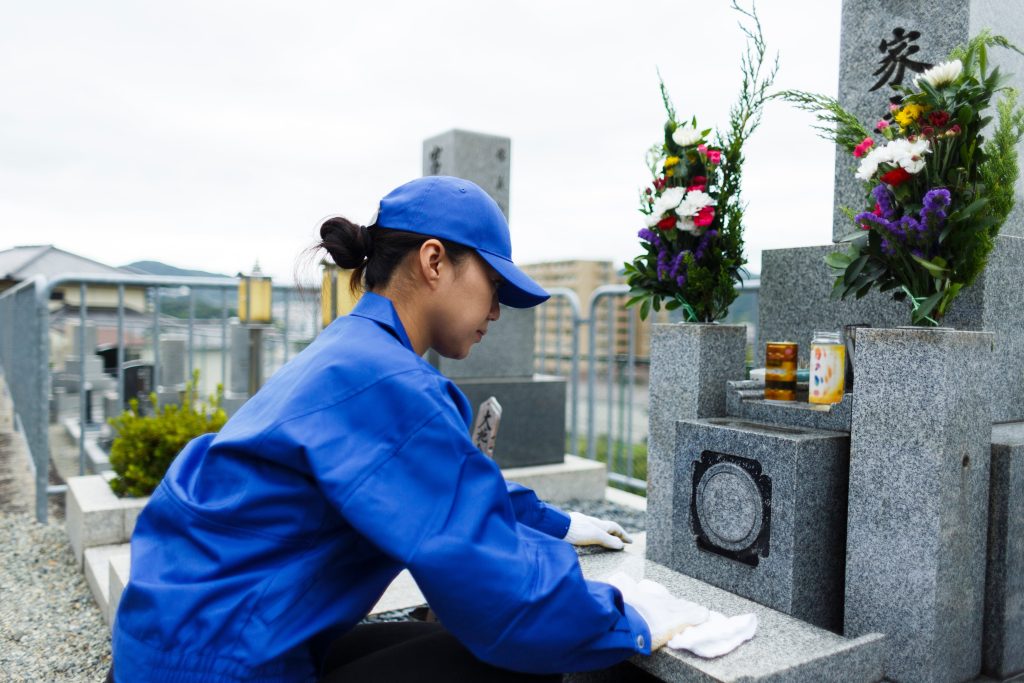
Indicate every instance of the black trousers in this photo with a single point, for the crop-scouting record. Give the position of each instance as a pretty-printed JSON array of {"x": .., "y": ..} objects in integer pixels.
[
  {"x": 408, "y": 652},
  {"x": 411, "y": 652}
]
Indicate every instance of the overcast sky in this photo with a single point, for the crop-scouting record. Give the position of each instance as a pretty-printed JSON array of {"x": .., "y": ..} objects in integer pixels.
[{"x": 211, "y": 134}]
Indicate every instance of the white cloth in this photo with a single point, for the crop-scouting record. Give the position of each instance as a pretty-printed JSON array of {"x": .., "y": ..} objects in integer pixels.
[
  {"x": 681, "y": 624},
  {"x": 717, "y": 636}
]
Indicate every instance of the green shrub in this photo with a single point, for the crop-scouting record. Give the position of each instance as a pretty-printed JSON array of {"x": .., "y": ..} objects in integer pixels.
[{"x": 146, "y": 444}]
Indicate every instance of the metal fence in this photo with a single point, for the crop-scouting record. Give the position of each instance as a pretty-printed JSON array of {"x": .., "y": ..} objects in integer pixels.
[
  {"x": 606, "y": 381},
  {"x": 25, "y": 348}
]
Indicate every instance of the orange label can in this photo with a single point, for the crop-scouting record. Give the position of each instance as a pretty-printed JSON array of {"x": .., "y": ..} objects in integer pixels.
[{"x": 780, "y": 371}]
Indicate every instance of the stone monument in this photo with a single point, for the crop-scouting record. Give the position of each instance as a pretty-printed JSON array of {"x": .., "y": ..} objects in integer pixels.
[
  {"x": 533, "y": 416},
  {"x": 916, "y": 501}
]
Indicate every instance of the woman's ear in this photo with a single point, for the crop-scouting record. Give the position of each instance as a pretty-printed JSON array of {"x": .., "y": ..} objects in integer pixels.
[{"x": 431, "y": 262}]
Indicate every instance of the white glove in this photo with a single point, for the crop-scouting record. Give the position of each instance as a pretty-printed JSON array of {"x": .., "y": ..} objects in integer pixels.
[
  {"x": 586, "y": 530},
  {"x": 665, "y": 615}
]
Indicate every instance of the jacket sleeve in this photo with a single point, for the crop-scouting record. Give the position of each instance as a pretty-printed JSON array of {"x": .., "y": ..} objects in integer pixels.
[
  {"x": 513, "y": 595},
  {"x": 533, "y": 512}
]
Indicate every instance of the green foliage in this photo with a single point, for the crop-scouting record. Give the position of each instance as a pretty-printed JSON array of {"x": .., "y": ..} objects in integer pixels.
[
  {"x": 146, "y": 444},
  {"x": 924, "y": 257},
  {"x": 619, "y": 462},
  {"x": 834, "y": 122},
  {"x": 710, "y": 257}
]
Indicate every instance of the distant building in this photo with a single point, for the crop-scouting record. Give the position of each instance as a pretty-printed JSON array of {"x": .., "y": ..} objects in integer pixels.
[
  {"x": 554, "y": 342},
  {"x": 26, "y": 262}
]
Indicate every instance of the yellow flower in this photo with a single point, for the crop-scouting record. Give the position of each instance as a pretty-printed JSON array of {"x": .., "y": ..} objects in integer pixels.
[
  {"x": 671, "y": 161},
  {"x": 909, "y": 114},
  {"x": 669, "y": 173}
]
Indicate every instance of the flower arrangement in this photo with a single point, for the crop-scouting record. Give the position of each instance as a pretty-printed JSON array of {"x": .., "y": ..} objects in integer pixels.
[
  {"x": 937, "y": 190},
  {"x": 693, "y": 236}
]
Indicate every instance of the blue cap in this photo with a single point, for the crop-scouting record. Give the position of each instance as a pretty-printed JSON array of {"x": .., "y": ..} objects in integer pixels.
[{"x": 459, "y": 211}]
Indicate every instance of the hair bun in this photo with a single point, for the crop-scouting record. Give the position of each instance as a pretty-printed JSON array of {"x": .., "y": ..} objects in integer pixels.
[{"x": 348, "y": 244}]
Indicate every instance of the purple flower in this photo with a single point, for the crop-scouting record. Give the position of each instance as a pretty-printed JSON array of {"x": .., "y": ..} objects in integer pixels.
[
  {"x": 884, "y": 201},
  {"x": 648, "y": 235},
  {"x": 933, "y": 211}
]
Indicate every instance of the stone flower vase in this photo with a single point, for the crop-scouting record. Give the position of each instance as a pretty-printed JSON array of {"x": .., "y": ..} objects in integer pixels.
[
  {"x": 690, "y": 365},
  {"x": 920, "y": 453}
]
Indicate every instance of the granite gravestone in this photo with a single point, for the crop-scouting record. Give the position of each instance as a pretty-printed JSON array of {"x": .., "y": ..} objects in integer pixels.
[
  {"x": 173, "y": 371},
  {"x": 502, "y": 364}
]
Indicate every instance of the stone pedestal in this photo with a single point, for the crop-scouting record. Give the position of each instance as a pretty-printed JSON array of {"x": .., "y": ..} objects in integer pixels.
[
  {"x": 690, "y": 365},
  {"x": 532, "y": 430},
  {"x": 760, "y": 510},
  {"x": 918, "y": 498}
]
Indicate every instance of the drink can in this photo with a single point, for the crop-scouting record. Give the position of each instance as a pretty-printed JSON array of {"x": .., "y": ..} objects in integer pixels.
[{"x": 780, "y": 371}]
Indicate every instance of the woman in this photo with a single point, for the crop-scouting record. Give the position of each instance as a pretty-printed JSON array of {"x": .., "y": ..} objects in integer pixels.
[{"x": 266, "y": 544}]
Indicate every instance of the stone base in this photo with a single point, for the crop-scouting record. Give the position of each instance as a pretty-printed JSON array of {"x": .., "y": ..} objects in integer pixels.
[
  {"x": 532, "y": 430},
  {"x": 573, "y": 479},
  {"x": 98, "y": 575},
  {"x": 760, "y": 511},
  {"x": 783, "y": 649},
  {"x": 95, "y": 516}
]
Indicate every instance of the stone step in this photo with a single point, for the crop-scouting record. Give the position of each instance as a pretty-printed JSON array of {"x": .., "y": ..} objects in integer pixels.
[
  {"x": 97, "y": 573},
  {"x": 784, "y": 649},
  {"x": 120, "y": 565}
]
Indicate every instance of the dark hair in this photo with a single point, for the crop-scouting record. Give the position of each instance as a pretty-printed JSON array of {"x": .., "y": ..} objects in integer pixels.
[{"x": 373, "y": 253}]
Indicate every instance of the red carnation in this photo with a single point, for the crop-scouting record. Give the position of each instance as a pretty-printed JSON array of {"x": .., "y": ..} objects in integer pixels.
[
  {"x": 704, "y": 217},
  {"x": 896, "y": 177},
  {"x": 699, "y": 188},
  {"x": 938, "y": 118},
  {"x": 666, "y": 223},
  {"x": 699, "y": 180}
]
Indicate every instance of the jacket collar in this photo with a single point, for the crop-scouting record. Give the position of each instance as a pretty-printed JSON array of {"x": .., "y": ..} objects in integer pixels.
[{"x": 380, "y": 310}]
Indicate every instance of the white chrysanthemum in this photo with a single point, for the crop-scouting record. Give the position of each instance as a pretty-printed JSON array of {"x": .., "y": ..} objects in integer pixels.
[
  {"x": 694, "y": 202},
  {"x": 685, "y": 224},
  {"x": 941, "y": 74},
  {"x": 668, "y": 200},
  {"x": 684, "y": 136},
  {"x": 909, "y": 155},
  {"x": 900, "y": 152},
  {"x": 869, "y": 164}
]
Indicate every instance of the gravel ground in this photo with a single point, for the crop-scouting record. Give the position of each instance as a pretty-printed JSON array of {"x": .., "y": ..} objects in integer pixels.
[{"x": 50, "y": 628}]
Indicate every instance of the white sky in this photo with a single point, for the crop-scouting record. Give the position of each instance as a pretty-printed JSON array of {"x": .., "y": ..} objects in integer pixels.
[{"x": 208, "y": 134}]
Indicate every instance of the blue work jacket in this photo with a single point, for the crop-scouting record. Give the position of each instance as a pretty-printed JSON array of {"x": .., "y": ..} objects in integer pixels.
[{"x": 268, "y": 540}]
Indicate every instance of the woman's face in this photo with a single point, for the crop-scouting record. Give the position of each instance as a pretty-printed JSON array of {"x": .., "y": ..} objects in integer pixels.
[{"x": 467, "y": 303}]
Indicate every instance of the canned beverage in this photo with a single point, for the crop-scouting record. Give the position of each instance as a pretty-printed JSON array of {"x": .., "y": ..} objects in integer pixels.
[
  {"x": 828, "y": 363},
  {"x": 780, "y": 371}
]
